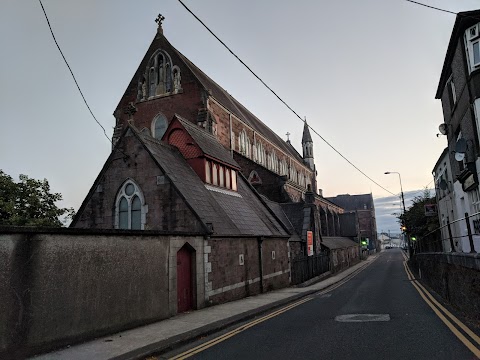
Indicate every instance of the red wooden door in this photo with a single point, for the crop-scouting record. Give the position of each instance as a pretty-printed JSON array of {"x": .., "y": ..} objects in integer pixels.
[{"x": 184, "y": 280}]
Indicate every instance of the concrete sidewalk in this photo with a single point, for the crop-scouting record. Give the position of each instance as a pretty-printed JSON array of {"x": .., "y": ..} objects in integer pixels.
[{"x": 142, "y": 341}]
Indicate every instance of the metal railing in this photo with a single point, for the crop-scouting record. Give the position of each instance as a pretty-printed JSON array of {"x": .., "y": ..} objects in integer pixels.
[
  {"x": 434, "y": 241},
  {"x": 308, "y": 267}
]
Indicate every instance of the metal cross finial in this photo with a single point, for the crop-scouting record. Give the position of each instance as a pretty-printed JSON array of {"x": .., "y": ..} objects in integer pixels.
[
  {"x": 130, "y": 110},
  {"x": 288, "y": 136},
  {"x": 159, "y": 20}
]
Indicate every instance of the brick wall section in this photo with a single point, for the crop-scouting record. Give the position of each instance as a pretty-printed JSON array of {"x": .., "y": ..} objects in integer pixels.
[
  {"x": 186, "y": 103},
  {"x": 222, "y": 118},
  {"x": 455, "y": 277},
  {"x": 228, "y": 280},
  {"x": 166, "y": 209}
]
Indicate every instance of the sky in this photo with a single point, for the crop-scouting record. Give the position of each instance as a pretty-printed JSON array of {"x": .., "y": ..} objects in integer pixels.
[{"x": 364, "y": 73}]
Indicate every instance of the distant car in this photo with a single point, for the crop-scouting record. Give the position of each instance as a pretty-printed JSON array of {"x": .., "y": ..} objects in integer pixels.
[{"x": 388, "y": 247}]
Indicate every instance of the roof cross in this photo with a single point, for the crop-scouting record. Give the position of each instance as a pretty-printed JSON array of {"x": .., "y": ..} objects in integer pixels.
[
  {"x": 159, "y": 20},
  {"x": 288, "y": 136}
]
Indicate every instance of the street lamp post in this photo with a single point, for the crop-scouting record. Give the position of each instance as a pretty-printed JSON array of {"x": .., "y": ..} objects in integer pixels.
[{"x": 403, "y": 204}]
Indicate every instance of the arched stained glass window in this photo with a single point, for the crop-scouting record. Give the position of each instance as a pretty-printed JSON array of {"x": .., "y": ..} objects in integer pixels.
[
  {"x": 136, "y": 213},
  {"x": 130, "y": 209},
  {"x": 123, "y": 214}
]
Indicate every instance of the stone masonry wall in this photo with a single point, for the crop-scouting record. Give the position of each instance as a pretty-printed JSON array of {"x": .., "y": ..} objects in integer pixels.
[
  {"x": 233, "y": 272},
  {"x": 455, "y": 277},
  {"x": 164, "y": 208}
]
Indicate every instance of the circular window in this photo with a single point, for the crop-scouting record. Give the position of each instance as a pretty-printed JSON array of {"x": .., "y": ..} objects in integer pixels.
[{"x": 129, "y": 189}]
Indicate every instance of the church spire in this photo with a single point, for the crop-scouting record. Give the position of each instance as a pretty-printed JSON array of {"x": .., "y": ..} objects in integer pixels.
[
  {"x": 307, "y": 145},
  {"x": 306, "y": 133}
]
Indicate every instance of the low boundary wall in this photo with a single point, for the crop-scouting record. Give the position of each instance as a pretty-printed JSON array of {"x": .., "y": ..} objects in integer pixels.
[{"x": 454, "y": 276}]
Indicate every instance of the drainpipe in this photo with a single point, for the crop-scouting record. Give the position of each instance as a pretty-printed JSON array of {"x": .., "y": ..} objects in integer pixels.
[{"x": 260, "y": 261}]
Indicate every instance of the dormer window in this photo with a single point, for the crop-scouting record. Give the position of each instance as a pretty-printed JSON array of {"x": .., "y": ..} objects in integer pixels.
[
  {"x": 220, "y": 175},
  {"x": 472, "y": 45}
]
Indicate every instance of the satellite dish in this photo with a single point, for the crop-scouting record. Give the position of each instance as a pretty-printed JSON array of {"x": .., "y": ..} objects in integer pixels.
[
  {"x": 443, "y": 184},
  {"x": 443, "y": 129},
  {"x": 461, "y": 146},
  {"x": 459, "y": 156}
]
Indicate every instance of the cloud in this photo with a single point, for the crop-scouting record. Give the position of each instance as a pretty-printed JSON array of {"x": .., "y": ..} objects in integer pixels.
[{"x": 386, "y": 207}]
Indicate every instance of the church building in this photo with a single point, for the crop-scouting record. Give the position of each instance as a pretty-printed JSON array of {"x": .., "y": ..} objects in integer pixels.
[{"x": 173, "y": 104}]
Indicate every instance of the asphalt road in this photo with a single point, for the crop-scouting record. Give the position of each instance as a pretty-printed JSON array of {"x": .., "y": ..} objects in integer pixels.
[{"x": 409, "y": 328}]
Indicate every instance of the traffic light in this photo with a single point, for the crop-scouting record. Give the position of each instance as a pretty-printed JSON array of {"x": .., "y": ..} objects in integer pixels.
[
  {"x": 403, "y": 228},
  {"x": 413, "y": 238}
]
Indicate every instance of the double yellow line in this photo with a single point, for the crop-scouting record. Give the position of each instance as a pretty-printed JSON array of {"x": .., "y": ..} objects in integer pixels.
[
  {"x": 236, "y": 331},
  {"x": 244, "y": 327},
  {"x": 468, "y": 337}
]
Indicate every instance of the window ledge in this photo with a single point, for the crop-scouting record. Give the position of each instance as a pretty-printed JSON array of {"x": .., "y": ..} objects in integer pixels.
[
  {"x": 222, "y": 190},
  {"x": 180, "y": 91}
]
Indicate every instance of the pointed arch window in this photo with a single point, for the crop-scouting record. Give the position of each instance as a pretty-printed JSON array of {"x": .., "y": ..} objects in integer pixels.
[
  {"x": 159, "y": 126},
  {"x": 244, "y": 143},
  {"x": 129, "y": 207},
  {"x": 161, "y": 77},
  {"x": 261, "y": 154},
  {"x": 283, "y": 167}
]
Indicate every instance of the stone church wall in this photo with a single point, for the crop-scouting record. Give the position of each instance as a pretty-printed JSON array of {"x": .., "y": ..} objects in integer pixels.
[
  {"x": 233, "y": 267},
  {"x": 165, "y": 209}
]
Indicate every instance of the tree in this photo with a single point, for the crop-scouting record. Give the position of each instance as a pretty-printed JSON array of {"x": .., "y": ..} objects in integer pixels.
[
  {"x": 29, "y": 203},
  {"x": 414, "y": 219}
]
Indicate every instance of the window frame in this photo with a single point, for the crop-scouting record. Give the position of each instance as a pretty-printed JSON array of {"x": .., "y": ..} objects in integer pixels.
[
  {"x": 158, "y": 117},
  {"x": 470, "y": 42},
  {"x": 122, "y": 195}
]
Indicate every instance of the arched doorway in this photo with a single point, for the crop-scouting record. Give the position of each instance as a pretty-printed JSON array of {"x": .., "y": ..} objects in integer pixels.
[{"x": 185, "y": 278}]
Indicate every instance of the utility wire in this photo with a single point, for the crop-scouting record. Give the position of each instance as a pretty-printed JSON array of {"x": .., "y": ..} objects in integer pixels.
[
  {"x": 443, "y": 10},
  {"x": 71, "y": 72},
  {"x": 432, "y": 7},
  {"x": 279, "y": 98}
]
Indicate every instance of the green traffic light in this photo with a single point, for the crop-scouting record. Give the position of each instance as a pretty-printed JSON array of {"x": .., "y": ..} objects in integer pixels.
[{"x": 414, "y": 238}]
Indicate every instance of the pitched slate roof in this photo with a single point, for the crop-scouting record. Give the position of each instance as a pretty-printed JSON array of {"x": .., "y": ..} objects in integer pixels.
[
  {"x": 299, "y": 216},
  {"x": 353, "y": 202},
  {"x": 207, "y": 142},
  {"x": 337, "y": 242},
  {"x": 230, "y": 213},
  {"x": 234, "y": 106}
]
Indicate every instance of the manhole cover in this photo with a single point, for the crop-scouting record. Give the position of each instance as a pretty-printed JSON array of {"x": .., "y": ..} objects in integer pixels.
[{"x": 362, "y": 317}]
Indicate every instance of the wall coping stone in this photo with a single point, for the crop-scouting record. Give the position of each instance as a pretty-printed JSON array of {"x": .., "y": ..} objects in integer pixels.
[{"x": 77, "y": 231}]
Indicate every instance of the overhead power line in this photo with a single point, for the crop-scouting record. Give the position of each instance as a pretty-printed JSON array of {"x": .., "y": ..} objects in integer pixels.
[
  {"x": 442, "y": 10},
  {"x": 431, "y": 7},
  {"x": 279, "y": 98},
  {"x": 71, "y": 72}
]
